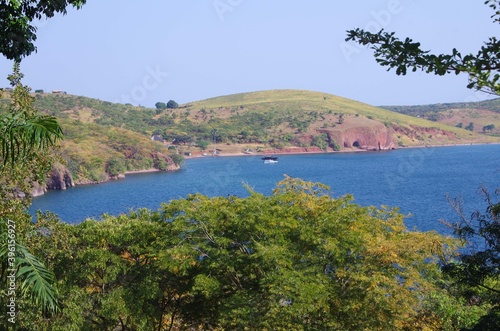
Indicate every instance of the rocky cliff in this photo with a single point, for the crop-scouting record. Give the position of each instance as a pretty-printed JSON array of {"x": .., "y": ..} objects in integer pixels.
[
  {"x": 60, "y": 178},
  {"x": 374, "y": 137}
]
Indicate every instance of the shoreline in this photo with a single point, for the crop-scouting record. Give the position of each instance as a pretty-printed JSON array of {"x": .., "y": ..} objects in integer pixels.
[
  {"x": 298, "y": 152},
  {"x": 131, "y": 172},
  {"x": 306, "y": 150}
]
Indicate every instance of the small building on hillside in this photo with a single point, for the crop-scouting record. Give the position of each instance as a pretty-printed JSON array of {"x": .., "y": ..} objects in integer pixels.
[{"x": 157, "y": 137}]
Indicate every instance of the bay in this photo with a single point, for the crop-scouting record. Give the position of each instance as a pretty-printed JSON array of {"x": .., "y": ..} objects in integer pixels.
[{"x": 416, "y": 180}]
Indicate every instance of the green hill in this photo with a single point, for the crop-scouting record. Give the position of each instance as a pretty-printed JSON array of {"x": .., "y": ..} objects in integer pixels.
[
  {"x": 481, "y": 114},
  {"x": 94, "y": 152},
  {"x": 104, "y": 139},
  {"x": 291, "y": 117}
]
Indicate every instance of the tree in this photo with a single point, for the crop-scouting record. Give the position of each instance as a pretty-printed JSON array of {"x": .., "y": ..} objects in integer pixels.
[
  {"x": 489, "y": 127},
  {"x": 24, "y": 133},
  {"x": 172, "y": 104},
  {"x": 202, "y": 144},
  {"x": 160, "y": 106},
  {"x": 460, "y": 125},
  {"x": 470, "y": 127},
  {"x": 26, "y": 140},
  {"x": 16, "y": 23},
  {"x": 116, "y": 166},
  {"x": 483, "y": 68},
  {"x": 477, "y": 271},
  {"x": 321, "y": 141},
  {"x": 295, "y": 260}
]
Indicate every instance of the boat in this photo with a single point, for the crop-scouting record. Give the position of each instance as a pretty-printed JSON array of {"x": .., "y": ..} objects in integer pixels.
[{"x": 270, "y": 159}]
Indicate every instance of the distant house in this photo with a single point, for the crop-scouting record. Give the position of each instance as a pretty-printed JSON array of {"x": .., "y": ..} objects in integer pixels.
[
  {"x": 58, "y": 92},
  {"x": 157, "y": 137},
  {"x": 248, "y": 151}
]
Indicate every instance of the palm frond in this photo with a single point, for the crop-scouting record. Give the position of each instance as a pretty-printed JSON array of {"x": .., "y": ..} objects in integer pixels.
[
  {"x": 35, "y": 281},
  {"x": 21, "y": 136}
]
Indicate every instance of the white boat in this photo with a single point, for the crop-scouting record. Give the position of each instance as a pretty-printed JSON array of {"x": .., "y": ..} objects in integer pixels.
[{"x": 270, "y": 159}]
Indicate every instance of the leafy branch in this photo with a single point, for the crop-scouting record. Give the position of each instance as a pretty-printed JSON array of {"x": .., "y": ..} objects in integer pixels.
[{"x": 403, "y": 55}]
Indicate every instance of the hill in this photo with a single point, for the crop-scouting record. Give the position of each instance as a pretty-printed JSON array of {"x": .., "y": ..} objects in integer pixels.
[
  {"x": 284, "y": 118},
  {"x": 481, "y": 114},
  {"x": 276, "y": 119},
  {"x": 93, "y": 152},
  {"x": 104, "y": 140}
]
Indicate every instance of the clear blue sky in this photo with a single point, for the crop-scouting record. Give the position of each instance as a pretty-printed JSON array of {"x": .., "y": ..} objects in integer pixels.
[{"x": 156, "y": 50}]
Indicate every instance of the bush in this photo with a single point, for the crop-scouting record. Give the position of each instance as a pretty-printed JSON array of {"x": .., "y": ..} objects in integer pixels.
[
  {"x": 115, "y": 166},
  {"x": 172, "y": 104},
  {"x": 321, "y": 141},
  {"x": 177, "y": 158},
  {"x": 161, "y": 105},
  {"x": 202, "y": 144}
]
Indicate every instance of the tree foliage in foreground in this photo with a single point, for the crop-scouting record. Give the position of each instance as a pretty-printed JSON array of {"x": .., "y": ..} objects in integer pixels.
[
  {"x": 477, "y": 271},
  {"x": 16, "y": 23},
  {"x": 483, "y": 67},
  {"x": 295, "y": 260},
  {"x": 26, "y": 140}
]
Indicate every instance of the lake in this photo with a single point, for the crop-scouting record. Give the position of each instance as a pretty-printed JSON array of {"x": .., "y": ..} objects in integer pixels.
[{"x": 416, "y": 180}]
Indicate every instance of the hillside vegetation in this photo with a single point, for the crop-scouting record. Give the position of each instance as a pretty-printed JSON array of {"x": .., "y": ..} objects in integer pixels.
[
  {"x": 304, "y": 114},
  {"x": 276, "y": 118},
  {"x": 481, "y": 114},
  {"x": 93, "y": 152},
  {"x": 104, "y": 139}
]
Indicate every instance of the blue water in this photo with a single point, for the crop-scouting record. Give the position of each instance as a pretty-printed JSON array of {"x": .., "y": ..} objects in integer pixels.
[{"x": 415, "y": 180}]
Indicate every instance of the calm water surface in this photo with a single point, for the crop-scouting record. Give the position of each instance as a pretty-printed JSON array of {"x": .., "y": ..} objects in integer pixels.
[{"x": 415, "y": 180}]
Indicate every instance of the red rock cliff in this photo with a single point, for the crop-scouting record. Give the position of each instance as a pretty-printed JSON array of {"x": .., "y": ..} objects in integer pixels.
[{"x": 373, "y": 137}]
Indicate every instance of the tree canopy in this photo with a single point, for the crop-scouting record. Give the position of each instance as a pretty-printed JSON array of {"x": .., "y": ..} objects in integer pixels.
[
  {"x": 161, "y": 105},
  {"x": 402, "y": 55},
  {"x": 172, "y": 104},
  {"x": 295, "y": 260}
]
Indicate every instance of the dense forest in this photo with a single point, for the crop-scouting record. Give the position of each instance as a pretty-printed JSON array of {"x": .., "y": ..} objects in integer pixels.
[{"x": 296, "y": 260}]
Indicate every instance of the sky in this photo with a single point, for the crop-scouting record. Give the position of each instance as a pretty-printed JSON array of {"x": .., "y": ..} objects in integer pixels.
[{"x": 142, "y": 52}]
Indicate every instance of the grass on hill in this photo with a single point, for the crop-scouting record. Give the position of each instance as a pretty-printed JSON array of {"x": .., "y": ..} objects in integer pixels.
[
  {"x": 103, "y": 138},
  {"x": 481, "y": 114}
]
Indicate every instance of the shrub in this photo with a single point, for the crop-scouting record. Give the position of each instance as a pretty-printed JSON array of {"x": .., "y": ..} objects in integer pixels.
[{"x": 172, "y": 104}]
